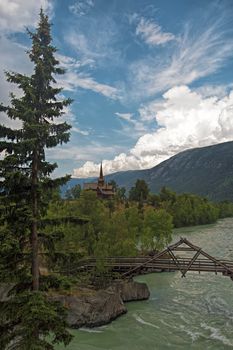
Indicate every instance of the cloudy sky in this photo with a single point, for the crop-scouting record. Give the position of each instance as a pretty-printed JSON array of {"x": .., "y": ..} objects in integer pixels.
[{"x": 149, "y": 78}]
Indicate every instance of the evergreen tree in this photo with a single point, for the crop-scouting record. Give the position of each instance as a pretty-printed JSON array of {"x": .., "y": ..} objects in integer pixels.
[
  {"x": 25, "y": 188},
  {"x": 139, "y": 192},
  {"x": 74, "y": 192}
]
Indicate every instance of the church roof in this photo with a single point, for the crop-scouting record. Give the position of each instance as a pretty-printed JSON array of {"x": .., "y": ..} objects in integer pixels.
[
  {"x": 100, "y": 186},
  {"x": 95, "y": 185},
  {"x": 106, "y": 192},
  {"x": 90, "y": 185},
  {"x": 107, "y": 187}
]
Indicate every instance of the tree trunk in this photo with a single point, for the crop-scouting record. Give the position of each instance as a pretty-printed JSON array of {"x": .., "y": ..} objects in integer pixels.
[{"x": 34, "y": 234}]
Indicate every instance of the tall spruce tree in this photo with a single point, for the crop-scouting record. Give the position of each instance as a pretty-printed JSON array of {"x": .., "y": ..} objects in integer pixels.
[{"x": 27, "y": 318}]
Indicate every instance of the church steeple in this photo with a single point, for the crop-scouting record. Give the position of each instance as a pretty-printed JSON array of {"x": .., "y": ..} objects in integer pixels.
[
  {"x": 101, "y": 177},
  {"x": 101, "y": 171},
  {"x": 102, "y": 189}
]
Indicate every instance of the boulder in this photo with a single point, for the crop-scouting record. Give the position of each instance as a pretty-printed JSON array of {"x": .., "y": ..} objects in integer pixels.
[
  {"x": 131, "y": 290},
  {"x": 92, "y": 308}
]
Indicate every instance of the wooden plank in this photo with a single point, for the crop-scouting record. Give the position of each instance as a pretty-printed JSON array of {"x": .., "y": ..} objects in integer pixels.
[{"x": 154, "y": 258}]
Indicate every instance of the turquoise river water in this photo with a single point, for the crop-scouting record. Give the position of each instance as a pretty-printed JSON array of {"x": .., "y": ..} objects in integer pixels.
[{"x": 195, "y": 312}]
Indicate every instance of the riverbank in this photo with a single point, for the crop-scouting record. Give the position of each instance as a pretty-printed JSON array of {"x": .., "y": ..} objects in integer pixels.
[
  {"x": 195, "y": 312},
  {"x": 88, "y": 307}
]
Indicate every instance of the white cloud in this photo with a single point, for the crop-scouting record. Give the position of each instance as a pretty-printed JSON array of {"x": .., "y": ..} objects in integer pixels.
[
  {"x": 152, "y": 33},
  {"x": 196, "y": 54},
  {"x": 70, "y": 63},
  {"x": 120, "y": 162},
  {"x": 10, "y": 50},
  {"x": 186, "y": 119},
  {"x": 79, "y": 131},
  {"x": 92, "y": 38},
  {"x": 82, "y": 153},
  {"x": 81, "y": 8},
  {"x": 214, "y": 90},
  {"x": 83, "y": 46},
  {"x": 73, "y": 80},
  {"x": 128, "y": 117},
  {"x": 125, "y": 116},
  {"x": 16, "y": 14}
]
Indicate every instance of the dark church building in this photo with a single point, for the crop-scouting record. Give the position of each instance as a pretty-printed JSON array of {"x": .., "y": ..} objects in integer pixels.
[{"x": 103, "y": 190}]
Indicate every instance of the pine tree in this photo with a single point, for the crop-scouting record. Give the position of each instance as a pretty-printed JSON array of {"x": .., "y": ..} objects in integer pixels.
[{"x": 27, "y": 318}]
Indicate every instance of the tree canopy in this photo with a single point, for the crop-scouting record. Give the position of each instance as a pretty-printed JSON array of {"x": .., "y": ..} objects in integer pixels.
[
  {"x": 139, "y": 192},
  {"x": 27, "y": 317}
]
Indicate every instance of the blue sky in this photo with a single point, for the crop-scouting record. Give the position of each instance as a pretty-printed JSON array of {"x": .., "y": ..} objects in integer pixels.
[{"x": 148, "y": 78}]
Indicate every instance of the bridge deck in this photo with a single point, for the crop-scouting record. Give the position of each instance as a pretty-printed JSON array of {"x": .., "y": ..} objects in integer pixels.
[{"x": 167, "y": 260}]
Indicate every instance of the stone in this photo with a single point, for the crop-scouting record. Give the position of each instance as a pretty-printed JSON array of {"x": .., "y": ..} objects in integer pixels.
[
  {"x": 91, "y": 308},
  {"x": 88, "y": 307},
  {"x": 131, "y": 290}
]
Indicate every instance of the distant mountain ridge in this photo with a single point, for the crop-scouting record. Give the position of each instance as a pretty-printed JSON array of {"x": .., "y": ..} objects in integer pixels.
[{"x": 206, "y": 171}]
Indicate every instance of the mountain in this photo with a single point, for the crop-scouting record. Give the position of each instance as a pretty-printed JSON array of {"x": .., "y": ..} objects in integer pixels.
[{"x": 206, "y": 171}]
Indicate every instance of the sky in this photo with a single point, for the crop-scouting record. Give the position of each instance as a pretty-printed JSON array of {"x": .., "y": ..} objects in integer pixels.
[{"x": 148, "y": 78}]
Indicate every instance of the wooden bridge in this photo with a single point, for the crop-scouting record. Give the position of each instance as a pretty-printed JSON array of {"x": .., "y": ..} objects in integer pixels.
[{"x": 182, "y": 256}]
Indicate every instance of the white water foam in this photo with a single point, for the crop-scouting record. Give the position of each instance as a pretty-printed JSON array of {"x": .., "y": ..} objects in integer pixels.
[
  {"x": 90, "y": 330},
  {"x": 219, "y": 305},
  {"x": 140, "y": 320},
  {"x": 194, "y": 335},
  {"x": 216, "y": 334}
]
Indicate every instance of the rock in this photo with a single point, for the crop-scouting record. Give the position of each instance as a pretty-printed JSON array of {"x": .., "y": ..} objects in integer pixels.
[
  {"x": 92, "y": 308},
  {"x": 131, "y": 290}
]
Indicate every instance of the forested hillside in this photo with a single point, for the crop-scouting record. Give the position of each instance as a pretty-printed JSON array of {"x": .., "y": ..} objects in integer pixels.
[{"x": 206, "y": 171}]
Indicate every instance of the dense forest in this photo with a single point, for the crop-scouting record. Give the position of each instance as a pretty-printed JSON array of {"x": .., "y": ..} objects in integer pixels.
[{"x": 135, "y": 223}]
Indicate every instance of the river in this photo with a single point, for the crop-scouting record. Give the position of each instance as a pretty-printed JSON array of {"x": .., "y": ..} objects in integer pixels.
[{"x": 195, "y": 312}]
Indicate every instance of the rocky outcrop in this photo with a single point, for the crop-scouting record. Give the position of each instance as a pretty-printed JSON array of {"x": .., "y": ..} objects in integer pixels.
[
  {"x": 131, "y": 290},
  {"x": 91, "y": 308}
]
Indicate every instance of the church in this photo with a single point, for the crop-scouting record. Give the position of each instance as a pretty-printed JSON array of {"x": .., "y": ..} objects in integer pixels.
[{"x": 103, "y": 190}]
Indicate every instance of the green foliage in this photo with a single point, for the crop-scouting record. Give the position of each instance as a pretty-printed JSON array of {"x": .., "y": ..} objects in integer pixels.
[
  {"x": 157, "y": 229},
  {"x": 188, "y": 209},
  {"x": 166, "y": 195},
  {"x": 30, "y": 319},
  {"x": 73, "y": 193},
  {"x": 118, "y": 234},
  {"x": 27, "y": 318},
  {"x": 121, "y": 194},
  {"x": 124, "y": 232},
  {"x": 225, "y": 209},
  {"x": 139, "y": 192}
]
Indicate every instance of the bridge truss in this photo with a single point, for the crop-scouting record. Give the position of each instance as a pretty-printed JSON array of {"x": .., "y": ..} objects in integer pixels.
[
  {"x": 194, "y": 259},
  {"x": 182, "y": 256}
]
